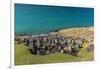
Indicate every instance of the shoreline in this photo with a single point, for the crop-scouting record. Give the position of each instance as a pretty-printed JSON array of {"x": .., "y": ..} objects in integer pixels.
[{"x": 55, "y": 31}]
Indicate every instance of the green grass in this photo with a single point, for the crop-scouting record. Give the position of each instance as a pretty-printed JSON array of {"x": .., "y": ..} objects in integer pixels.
[
  {"x": 85, "y": 55},
  {"x": 24, "y": 57}
]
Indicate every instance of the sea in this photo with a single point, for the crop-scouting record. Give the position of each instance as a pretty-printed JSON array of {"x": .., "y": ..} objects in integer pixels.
[{"x": 41, "y": 19}]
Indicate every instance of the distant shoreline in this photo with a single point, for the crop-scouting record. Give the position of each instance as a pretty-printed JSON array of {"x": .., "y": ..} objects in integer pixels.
[{"x": 71, "y": 28}]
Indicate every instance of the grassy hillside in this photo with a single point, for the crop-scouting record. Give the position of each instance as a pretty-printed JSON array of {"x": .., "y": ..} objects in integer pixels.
[{"x": 23, "y": 57}]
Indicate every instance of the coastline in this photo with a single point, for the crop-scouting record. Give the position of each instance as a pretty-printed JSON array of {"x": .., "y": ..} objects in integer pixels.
[{"x": 56, "y": 31}]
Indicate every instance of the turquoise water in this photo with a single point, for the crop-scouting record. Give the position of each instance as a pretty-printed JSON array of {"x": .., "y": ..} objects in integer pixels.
[{"x": 37, "y": 19}]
